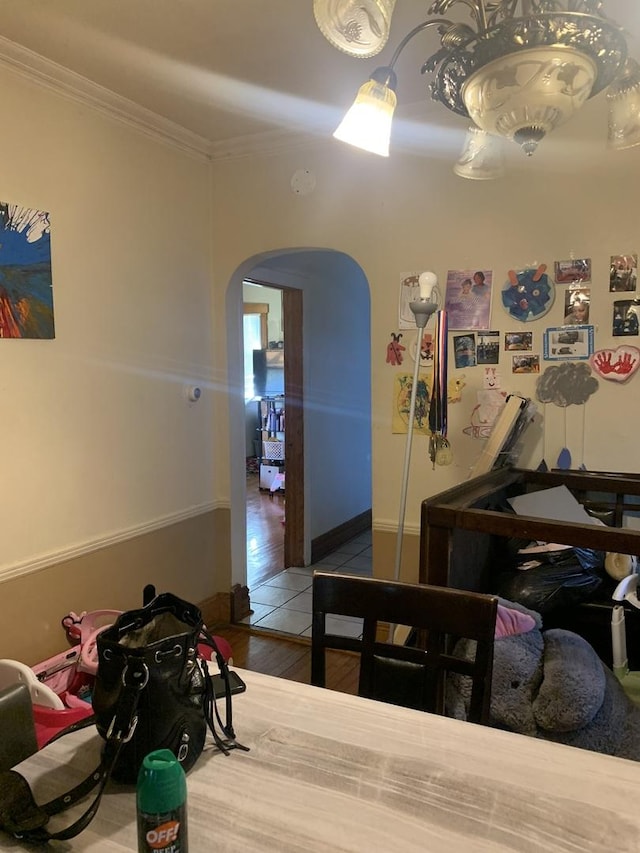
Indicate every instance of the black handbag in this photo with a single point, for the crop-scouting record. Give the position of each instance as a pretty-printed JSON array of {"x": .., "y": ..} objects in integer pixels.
[{"x": 153, "y": 690}]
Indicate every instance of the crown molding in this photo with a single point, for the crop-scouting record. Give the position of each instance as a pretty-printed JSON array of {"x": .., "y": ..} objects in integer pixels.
[
  {"x": 75, "y": 87},
  {"x": 264, "y": 143}
]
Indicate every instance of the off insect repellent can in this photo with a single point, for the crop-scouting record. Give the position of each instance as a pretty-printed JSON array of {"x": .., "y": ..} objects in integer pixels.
[{"x": 162, "y": 804}]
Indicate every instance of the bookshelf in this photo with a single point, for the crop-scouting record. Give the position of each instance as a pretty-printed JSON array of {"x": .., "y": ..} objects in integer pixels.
[{"x": 271, "y": 420}]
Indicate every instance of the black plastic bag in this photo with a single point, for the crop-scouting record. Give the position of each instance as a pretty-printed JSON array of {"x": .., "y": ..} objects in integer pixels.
[{"x": 546, "y": 587}]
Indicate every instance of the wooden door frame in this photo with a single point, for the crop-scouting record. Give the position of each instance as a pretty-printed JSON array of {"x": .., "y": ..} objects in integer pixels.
[
  {"x": 294, "y": 427},
  {"x": 292, "y": 316}
]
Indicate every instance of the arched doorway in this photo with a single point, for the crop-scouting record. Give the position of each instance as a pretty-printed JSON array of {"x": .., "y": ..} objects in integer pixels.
[{"x": 336, "y": 389}]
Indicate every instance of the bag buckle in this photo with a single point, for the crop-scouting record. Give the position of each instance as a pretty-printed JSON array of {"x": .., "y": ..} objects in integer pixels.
[{"x": 119, "y": 736}]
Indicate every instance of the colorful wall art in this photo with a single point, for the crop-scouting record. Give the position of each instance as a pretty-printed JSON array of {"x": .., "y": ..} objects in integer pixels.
[
  {"x": 26, "y": 295},
  {"x": 616, "y": 365}
]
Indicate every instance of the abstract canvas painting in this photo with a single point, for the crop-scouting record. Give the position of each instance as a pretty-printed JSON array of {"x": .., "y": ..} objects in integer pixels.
[{"x": 26, "y": 293}]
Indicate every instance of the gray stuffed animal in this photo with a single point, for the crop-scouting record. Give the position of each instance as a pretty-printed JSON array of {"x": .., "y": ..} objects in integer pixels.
[{"x": 551, "y": 684}]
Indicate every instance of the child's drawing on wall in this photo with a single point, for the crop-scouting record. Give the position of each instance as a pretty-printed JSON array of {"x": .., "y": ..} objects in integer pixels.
[{"x": 484, "y": 414}]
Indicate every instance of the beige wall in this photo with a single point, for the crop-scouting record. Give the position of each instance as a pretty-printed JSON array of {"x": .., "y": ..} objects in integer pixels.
[
  {"x": 112, "y": 577},
  {"x": 104, "y": 455},
  {"x": 108, "y": 471},
  {"x": 411, "y": 213}
]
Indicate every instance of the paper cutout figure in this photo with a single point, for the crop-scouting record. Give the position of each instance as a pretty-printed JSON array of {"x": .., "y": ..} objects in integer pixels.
[
  {"x": 484, "y": 414},
  {"x": 395, "y": 349}
]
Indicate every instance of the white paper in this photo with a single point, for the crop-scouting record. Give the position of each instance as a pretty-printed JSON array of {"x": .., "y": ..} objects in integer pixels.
[{"x": 557, "y": 504}]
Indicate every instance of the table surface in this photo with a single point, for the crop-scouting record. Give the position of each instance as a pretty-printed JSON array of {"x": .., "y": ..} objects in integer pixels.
[{"x": 332, "y": 772}]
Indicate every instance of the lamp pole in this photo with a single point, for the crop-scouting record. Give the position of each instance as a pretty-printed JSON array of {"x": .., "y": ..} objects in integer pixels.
[{"x": 422, "y": 309}]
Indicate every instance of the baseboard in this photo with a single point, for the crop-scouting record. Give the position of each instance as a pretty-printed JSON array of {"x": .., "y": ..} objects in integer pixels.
[
  {"x": 217, "y": 609},
  {"x": 333, "y": 539}
]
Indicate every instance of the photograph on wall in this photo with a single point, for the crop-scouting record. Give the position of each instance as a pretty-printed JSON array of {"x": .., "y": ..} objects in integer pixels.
[
  {"x": 488, "y": 348},
  {"x": 626, "y": 317},
  {"x": 464, "y": 350},
  {"x": 522, "y": 341},
  {"x": 623, "y": 273},
  {"x": 467, "y": 299},
  {"x": 525, "y": 363},
  {"x": 26, "y": 293},
  {"x": 576, "y": 306},
  {"x": 568, "y": 344},
  {"x": 575, "y": 270}
]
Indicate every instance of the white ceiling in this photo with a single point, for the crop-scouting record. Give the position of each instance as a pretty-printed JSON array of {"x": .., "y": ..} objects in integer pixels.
[{"x": 231, "y": 69}]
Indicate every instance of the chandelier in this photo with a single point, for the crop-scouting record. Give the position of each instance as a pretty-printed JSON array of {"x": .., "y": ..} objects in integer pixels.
[{"x": 521, "y": 69}]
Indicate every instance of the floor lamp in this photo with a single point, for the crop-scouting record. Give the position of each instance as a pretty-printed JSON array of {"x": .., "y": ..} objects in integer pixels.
[{"x": 422, "y": 308}]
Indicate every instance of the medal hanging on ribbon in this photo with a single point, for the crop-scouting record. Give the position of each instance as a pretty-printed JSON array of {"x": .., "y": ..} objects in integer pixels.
[{"x": 439, "y": 448}]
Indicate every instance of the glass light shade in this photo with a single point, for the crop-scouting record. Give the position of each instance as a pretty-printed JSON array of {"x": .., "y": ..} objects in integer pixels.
[
  {"x": 482, "y": 157},
  {"x": 357, "y": 27},
  {"x": 624, "y": 109},
  {"x": 367, "y": 124},
  {"x": 526, "y": 94}
]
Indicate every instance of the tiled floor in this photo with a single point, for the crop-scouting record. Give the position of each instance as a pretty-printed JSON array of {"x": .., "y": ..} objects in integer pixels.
[{"x": 283, "y": 603}]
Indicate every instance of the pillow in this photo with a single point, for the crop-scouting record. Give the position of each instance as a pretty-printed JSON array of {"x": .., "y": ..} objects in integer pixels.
[{"x": 510, "y": 622}]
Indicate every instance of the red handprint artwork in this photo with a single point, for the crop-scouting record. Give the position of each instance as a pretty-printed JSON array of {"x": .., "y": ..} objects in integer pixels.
[
  {"x": 395, "y": 349},
  {"x": 616, "y": 365}
]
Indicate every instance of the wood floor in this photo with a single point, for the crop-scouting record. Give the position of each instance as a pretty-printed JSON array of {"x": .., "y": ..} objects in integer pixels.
[
  {"x": 265, "y": 533},
  {"x": 290, "y": 658},
  {"x": 271, "y": 653}
]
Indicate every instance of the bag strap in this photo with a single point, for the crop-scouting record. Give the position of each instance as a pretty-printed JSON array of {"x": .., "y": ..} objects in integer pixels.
[
  {"x": 23, "y": 818},
  {"x": 211, "y": 712}
]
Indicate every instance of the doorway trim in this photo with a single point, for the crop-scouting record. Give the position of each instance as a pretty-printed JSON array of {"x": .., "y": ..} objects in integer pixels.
[
  {"x": 292, "y": 303},
  {"x": 292, "y": 321}
]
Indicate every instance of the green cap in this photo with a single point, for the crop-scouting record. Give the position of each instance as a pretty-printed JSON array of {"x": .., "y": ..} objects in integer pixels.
[{"x": 162, "y": 785}]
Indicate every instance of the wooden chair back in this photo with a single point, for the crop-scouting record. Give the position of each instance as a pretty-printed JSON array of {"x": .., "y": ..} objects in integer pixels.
[{"x": 412, "y": 675}]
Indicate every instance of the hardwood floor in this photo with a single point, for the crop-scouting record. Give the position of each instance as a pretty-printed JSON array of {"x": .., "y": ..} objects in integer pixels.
[
  {"x": 271, "y": 653},
  {"x": 288, "y": 658},
  {"x": 265, "y": 533}
]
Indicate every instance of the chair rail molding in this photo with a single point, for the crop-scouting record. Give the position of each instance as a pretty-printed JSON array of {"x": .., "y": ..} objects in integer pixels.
[{"x": 43, "y": 561}]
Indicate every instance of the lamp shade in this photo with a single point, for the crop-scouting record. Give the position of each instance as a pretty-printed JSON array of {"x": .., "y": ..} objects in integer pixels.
[
  {"x": 367, "y": 124},
  {"x": 526, "y": 94},
  {"x": 624, "y": 108},
  {"x": 482, "y": 157},
  {"x": 357, "y": 27}
]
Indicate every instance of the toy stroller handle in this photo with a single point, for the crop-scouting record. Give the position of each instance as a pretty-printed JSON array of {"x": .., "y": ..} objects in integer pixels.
[{"x": 627, "y": 590}]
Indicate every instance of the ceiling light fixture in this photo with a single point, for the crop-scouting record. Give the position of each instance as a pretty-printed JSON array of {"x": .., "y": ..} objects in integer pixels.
[
  {"x": 357, "y": 27},
  {"x": 524, "y": 69}
]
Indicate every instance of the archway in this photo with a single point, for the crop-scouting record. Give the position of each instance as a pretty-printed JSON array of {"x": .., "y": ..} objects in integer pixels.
[{"x": 336, "y": 389}]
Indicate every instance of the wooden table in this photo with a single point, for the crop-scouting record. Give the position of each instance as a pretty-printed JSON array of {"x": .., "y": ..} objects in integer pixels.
[{"x": 332, "y": 772}]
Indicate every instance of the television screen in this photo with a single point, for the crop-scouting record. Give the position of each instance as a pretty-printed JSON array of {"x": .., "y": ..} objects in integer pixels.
[{"x": 268, "y": 373}]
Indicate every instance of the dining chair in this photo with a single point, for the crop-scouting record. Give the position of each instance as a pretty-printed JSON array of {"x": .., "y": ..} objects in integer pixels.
[
  {"x": 18, "y": 739},
  {"x": 412, "y": 675}
]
